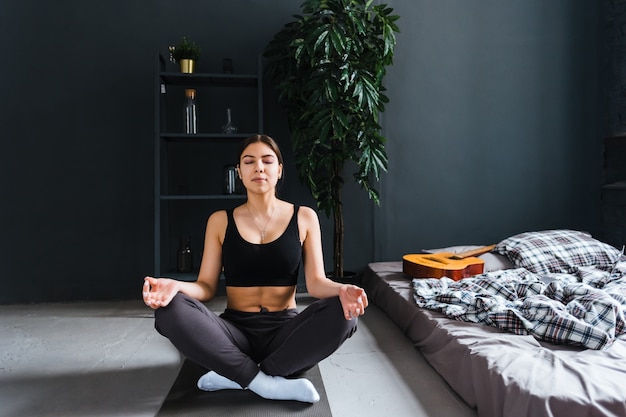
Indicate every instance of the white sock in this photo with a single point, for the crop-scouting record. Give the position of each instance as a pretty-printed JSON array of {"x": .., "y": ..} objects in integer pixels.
[
  {"x": 279, "y": 388},
  {"x": 212, "y": 381}
]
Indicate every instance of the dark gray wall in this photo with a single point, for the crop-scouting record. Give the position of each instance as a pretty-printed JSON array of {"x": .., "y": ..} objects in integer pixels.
[
  {"x": 77, "y": 118},
  {"x": 493, "y": 123},
  {"x": 492, "y": 128}
]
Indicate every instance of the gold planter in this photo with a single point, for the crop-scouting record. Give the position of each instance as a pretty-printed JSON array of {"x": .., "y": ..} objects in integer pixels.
[{"x": 187, "y": 65}]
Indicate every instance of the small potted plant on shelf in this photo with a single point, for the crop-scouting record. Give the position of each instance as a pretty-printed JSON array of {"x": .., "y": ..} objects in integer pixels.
[{"x": 186, "y": 53}]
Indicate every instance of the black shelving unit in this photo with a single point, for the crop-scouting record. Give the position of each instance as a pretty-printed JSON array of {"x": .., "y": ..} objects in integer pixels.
[
  {"x": 188, "y": 176},
  {"x": 614, "y": 191}
]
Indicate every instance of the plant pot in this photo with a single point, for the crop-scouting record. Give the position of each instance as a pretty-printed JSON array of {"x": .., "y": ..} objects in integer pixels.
[{"x": 187, "y": 66}]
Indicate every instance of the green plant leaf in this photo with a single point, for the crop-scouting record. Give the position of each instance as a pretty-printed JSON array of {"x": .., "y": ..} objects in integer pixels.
[{"x": 328, "y": 67}]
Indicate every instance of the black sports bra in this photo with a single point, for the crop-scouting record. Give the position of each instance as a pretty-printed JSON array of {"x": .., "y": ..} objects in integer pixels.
[{"x": 275, "y": 263}]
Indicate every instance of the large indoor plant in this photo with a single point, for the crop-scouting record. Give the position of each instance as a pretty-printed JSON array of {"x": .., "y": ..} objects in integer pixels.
[{"x": 328, "y": 67}]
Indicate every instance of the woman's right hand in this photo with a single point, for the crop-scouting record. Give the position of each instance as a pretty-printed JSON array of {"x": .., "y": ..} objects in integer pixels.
[{"x": 158, "y": 292}]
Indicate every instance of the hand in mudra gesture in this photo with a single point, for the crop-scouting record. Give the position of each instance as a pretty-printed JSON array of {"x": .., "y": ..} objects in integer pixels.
[
  {"x": 353, "y": 300},
  {"x": 158, "y": 292}
]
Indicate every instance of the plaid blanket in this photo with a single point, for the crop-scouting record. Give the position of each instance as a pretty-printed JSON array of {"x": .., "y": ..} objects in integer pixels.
[{"x": 582, "y": 309}]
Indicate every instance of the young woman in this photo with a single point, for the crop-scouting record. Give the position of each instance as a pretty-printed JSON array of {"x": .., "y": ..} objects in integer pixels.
[{"x": 260, "y": 338}]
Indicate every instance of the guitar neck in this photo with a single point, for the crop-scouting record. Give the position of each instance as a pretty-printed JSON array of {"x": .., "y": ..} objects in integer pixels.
[{"x": 474, "y": 252}]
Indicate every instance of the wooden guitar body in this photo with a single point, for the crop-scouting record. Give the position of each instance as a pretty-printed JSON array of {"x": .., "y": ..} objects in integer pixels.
[
  {"x": 445, "y": 264},
  {"x": 441, "y": 265}
]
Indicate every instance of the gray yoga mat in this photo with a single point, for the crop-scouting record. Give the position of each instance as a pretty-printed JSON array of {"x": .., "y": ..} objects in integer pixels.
[{"x": 185, "y": 399}]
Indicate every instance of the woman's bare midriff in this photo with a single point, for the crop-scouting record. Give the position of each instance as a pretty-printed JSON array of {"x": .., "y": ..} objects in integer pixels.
[{"x": 253, "y": 299}]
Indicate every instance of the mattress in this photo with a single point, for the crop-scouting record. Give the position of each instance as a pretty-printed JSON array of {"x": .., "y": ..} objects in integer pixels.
[{"x": 500, "y": 373}]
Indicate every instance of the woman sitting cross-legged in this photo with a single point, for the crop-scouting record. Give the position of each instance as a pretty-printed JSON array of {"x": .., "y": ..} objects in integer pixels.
[{"x": 260, "y": 342}]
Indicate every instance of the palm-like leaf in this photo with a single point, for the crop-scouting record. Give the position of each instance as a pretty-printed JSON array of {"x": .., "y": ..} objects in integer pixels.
[{"x": 328, "y": 67}]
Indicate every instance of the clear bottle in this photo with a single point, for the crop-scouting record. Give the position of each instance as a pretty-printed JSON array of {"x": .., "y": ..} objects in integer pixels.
[
  {"x": 184, "y": 255},
  {"x": 190, "y": 112},
  {"x": 229, "y": 128},
  {"x": 230, "y": 178}
]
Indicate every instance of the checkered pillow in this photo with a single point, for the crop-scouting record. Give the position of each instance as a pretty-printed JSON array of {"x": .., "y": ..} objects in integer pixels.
[{"x": 561, "y": 251}]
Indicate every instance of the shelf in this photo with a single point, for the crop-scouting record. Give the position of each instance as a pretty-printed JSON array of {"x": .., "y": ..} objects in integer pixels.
[
  {"x": 206, "y": 79},
  {"x": 188, "y": 176},
  {"x": 614, "y": 194},
  {"x": 205, "y": 137},
  {"x": 618, "y": 185},
  {"x": 204, "y": 197}
]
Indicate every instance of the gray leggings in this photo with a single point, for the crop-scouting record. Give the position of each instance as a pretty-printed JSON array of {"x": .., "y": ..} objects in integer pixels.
[{"x": 236, "y": 344}]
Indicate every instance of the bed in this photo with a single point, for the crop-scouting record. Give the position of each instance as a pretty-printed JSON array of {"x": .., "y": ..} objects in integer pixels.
[{"x": 512, "y": 358}]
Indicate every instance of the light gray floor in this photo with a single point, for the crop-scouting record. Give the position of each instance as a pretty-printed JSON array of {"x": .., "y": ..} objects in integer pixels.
[{"x": 106, "y": 359}]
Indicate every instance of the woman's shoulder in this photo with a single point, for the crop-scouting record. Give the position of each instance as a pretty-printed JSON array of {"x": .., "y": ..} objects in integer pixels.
[
  {"x": 218, "y": 218},
  {"x": 218, "y": 214},
  {"x": 216, "y": 225},
  {"x": 307, "y": 214},
  {"x": 306, "y": 210}
]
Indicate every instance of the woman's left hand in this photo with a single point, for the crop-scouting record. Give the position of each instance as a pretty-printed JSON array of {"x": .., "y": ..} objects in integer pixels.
[{"x": 353, "y": 300}]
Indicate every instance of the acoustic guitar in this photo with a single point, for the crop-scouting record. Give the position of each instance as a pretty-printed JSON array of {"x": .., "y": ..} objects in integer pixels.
[{"x": 445, "y": 264}]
